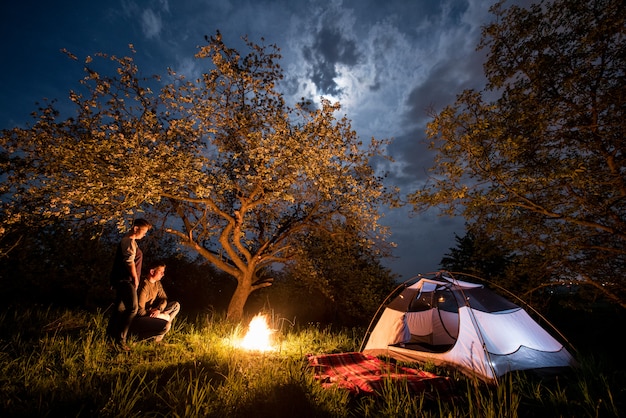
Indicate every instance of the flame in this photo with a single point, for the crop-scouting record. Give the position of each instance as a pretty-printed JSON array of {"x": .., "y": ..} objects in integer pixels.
[{"x": 258, "y": 336}]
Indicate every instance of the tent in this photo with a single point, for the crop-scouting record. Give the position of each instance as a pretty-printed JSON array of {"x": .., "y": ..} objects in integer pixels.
[{"x": 445, "y": 321}]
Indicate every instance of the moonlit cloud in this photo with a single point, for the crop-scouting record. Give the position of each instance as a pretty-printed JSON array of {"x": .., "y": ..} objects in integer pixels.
[
  {"x": 150, "y": 23},
  {"x": 387, "y": 62}
]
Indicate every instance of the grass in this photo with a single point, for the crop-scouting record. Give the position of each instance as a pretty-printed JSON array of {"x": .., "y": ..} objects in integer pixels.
[{"x": 59, "y": 363}]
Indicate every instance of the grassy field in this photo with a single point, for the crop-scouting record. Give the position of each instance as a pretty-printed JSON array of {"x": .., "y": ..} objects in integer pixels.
[{"x": 59, "y": 364}]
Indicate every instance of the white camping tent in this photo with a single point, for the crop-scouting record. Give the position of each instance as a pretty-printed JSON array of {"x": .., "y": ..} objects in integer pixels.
[{"x": 445, "y": 321}]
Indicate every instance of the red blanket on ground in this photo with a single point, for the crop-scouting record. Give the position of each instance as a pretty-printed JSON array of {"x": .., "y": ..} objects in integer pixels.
[{"x": 363, "y": 374}]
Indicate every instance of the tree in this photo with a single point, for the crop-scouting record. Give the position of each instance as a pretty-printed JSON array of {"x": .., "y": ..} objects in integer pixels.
[
  {"x": 537, "y": 157},
  {"x": 221, "y": 162},
  {"x": 477, "y": 254},
  {"x": 339, "y": 277}
]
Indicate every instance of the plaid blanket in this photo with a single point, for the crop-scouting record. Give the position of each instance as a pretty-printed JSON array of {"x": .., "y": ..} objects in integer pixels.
[{"x": 364, "y": 374}]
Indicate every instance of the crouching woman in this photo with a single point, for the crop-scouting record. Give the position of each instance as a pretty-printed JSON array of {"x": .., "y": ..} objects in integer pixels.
[{"x": 156, "y": 313}]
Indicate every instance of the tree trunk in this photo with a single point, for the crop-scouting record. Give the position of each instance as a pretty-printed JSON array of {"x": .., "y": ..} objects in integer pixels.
[{"x": 239, "y": 299}]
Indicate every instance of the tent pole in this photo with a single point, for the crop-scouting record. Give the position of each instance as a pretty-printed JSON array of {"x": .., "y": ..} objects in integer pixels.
[{"x": 476, "y": 326}]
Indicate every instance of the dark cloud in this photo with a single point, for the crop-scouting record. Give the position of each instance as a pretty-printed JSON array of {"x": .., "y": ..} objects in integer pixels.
[
  {"x": 411, "y": 151},
  {"x": 446, "y": 80},
  {"x": 454, "y": 73},
  {"x": 329, "y": 48}
]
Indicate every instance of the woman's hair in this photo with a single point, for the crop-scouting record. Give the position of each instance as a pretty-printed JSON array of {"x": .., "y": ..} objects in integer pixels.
[{"x": 142, "y": 223}]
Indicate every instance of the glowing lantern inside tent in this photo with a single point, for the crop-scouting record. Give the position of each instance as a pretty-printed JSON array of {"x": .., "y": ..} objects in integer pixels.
[{"x": 258, "y": 336}]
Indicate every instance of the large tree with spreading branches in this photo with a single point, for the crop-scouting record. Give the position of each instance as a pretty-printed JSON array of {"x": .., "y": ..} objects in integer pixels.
[
  {"x": 219, "y": 161},
  {"x": 537, "y": 159}
]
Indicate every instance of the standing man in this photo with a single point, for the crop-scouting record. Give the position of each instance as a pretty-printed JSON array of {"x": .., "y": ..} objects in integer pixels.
[
  {"x": 125, "y": 280},
  {"x": 154, "y": 305}
]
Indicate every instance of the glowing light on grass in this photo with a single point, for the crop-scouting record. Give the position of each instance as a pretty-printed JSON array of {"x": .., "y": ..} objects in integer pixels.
[{"x": 259, "y": 335}]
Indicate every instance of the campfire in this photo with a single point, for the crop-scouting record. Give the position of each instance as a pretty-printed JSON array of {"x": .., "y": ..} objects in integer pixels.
[{"x": 258, "y": 337}]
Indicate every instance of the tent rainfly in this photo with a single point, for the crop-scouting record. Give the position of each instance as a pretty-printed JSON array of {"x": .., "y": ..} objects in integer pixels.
[{"x": 444, "y": 321}]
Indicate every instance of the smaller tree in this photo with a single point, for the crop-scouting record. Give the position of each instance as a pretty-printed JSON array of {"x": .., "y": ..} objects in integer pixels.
[
  {"x": 337, "y": 279},
  {"x": 479, "y": 255},
  {"x": 537, "y": 159}
]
